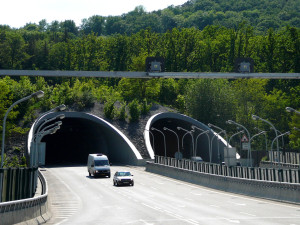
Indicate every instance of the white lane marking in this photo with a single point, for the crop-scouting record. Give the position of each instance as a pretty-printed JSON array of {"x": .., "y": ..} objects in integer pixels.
[
  {"x": 152, "y": 207},
  {"x": 167, "y": 211},
  {"x": 229, "y": 220},
  {"x": 198, "y": 194},
  {"x": 248, "y": 214},
  {"x": 236, "y": 203},
  {"x": 193, "y": 221}
]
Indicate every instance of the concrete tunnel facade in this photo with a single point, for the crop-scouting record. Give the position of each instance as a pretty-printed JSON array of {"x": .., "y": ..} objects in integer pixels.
[
  {"x": 81, "y": 134},
  {"x": 155, "y": 140}
]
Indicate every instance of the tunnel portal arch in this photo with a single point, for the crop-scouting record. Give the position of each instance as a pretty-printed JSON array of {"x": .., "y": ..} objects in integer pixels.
[
  {"x": 84, "y": 133},
  {"x": 155, "y": 140}
]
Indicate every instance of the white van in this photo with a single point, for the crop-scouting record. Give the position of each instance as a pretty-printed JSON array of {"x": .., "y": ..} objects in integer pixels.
[{"x": 98, "y": 165}]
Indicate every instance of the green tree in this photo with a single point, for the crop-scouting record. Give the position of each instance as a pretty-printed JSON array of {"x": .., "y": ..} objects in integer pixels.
[
  {"x": 16, "y": 53},
  {"x": 250, "y": 99},
  {"x": 94, "y": 24},
  {"x": 210, "y": 100},
  {"x": 295, "y": 133}
]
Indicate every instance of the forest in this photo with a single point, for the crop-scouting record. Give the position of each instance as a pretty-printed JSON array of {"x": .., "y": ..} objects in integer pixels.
[
  {"x": 261, "y": 14},
  {"x": 211, "y": 48}
]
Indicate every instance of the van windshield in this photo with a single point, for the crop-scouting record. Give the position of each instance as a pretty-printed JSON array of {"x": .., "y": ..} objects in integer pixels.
[{"x": 101, "y": 163}]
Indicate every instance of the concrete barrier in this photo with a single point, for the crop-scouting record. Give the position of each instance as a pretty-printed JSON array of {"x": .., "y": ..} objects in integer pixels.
[{"x": 287, "y": 192}]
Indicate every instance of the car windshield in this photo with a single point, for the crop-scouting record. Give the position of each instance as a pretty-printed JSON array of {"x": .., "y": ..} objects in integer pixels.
[
  {"x": 101, "y": 163},
  {"x": 121, "y": 174}
]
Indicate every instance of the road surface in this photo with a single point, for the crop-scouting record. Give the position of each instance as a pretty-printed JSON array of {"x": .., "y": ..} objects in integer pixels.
[{"x": 76, "y": 198}]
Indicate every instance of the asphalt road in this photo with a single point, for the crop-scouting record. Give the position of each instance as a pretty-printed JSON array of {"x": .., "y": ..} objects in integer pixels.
[{"x": 76, "y": 198}]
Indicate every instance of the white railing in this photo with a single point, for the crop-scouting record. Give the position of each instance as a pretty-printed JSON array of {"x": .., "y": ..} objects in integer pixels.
[{"x": 256, "y": 173}]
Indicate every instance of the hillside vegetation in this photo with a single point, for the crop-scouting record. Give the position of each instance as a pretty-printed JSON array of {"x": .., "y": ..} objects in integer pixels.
[
  {"x": 261, "y": 14},
  {"x": 186, "y": 46}
]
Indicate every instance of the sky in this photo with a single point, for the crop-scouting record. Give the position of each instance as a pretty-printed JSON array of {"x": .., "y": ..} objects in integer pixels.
[{"x": 16, "y": 13}]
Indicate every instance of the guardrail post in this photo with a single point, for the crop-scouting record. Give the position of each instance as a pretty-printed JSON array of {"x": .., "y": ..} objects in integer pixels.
[
  {"x": 9, "y": 185},
  {"x": 273, "y": 174},
  {"x": 289, "y": 176},
  {"x": 259, "y": 173},
  {"x": 224, "y": 170},
  {"x": 293, "y": 176},
  {"x": 266, "y": 174},
  {"x": 13, "y": 184},
  {"x": 230, "y": 171},
  {"x": 238, "y": 168},
  {"x": 245, "y": 172}
]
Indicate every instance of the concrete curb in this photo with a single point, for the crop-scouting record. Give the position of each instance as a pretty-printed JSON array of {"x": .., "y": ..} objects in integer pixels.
[{"x": 38, "y": 220}]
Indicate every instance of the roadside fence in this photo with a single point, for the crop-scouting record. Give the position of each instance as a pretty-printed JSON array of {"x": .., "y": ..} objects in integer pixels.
[
  {"x": 33, "y": 208},
  {"x": 17, "y": 183},
  {"x": 255, "y": 173},
  {"x": 292, "y": 158}
]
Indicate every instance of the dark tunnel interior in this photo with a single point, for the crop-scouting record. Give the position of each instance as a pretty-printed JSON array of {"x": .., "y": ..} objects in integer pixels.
[
  {"x": 75, "y": 139},
  {"x": 185, "y": 140}
]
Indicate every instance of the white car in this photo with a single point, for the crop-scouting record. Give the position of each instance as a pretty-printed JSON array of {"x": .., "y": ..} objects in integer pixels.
[{"x": 123, "y": 178}]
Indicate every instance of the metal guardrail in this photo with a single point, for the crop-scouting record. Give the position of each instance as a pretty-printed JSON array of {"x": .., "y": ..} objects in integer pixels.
[
  {"x": 254, "y": 173},
  {"x": 17, "y": 211}
]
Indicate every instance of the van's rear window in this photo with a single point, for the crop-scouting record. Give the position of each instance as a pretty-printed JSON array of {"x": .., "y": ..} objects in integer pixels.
[{"x": 101, "y": 163}]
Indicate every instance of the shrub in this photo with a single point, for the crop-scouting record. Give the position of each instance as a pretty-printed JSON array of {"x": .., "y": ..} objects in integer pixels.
[
  {"x": 109, "y": 108},
  {"x": 134, "y": 110},
  {"x": 122, "y": 112},
  {"x": 145, "y": 107}
]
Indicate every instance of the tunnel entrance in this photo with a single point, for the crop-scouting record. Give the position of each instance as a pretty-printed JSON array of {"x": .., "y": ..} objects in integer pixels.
[
  {"x": 182, "y": 141},
  {"x": 74, "y": 141},
  {"x": 81, "y": 134},
  {"x": 176, "y": 128}
]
